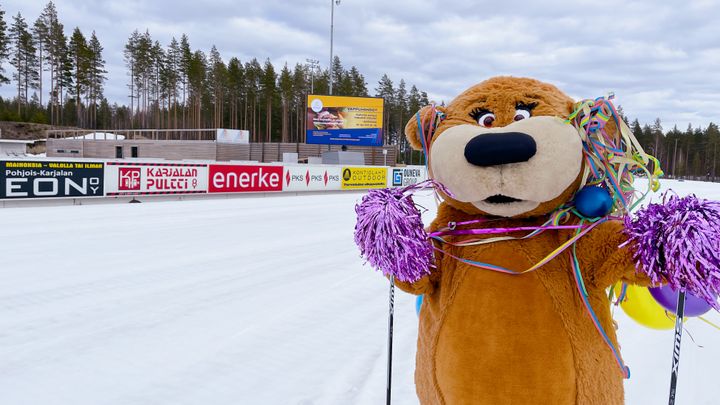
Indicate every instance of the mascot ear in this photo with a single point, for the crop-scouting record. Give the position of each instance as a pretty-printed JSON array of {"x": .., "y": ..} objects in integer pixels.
[
  {"x": 570, "y": 107},
  {"x": 412, "y": 132}
]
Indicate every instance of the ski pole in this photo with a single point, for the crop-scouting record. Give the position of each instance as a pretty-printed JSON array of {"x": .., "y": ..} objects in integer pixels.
[
  {"x": 390, "y": 338},
  {"x": 680, "y": 313}
]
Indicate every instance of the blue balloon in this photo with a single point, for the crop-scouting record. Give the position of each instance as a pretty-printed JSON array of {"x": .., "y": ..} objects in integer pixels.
[
  {"x": 593, "y": 202},
  {"x": 418, "y": 304}
]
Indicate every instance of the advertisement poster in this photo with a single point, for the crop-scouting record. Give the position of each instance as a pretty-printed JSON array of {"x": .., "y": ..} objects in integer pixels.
[
  {"x": 232, "y": 136},
  {"x": 50, "y": 179},
  {"x": 333, "y": 120},
  {"x": 311, "y": 178},
  {"x": 243, "y": 179},
  {"x": 407, "y": 176},
  {"x": 363, "y": 177},
  {"x": 155, "y": 178}
]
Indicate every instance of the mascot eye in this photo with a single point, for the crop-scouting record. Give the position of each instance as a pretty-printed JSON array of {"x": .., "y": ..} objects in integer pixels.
[
  {"x": 521, "y": 114},
  {"x": 486, "y": 120}
]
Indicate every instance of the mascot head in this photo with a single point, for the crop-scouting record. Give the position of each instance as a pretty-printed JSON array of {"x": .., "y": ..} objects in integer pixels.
[{"x": 504, "y": 148}]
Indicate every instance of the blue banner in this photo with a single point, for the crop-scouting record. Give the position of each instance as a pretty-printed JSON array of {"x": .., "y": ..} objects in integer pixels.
[{"x": 357, "y": 137}]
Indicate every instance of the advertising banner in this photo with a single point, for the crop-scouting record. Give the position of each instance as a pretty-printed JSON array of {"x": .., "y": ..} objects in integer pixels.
[
  {"x": 356, "y": 178},
  {"x": 333, "y": 120},
  {"x": 155, "y": 178},
  {"x": 50, "y": 179},
  {"x": 242, "y": 179},
  {"x": 406, "y": 176},
  {"x": 311, "y": 178},
  {"x": 232, "y": 136}
]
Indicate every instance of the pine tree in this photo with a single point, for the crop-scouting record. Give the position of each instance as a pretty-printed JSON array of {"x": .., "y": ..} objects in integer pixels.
[
  {"x": 81, "y": 61},
  {"x": 269, "y": 88},
  {"x": 196, "y": 83},
  {"x": 55, "y": 48},
  {"x": 40, "y": 36},
  {"x": 235, "y": 77},
  {"x": 337, "y": 73},
  {"x": 387, "y": 92},
  {"x": 184, "y": 69},
  {"x": 217, "y": 80},
  {"x": 345, "y": 87},
  {"x": 286, "y": 96},
  {"x": 171, "y": 78},
  {"x": 97, "y": 77},
  {"x": 358, "y": 83},
  {"x": 424, "y": 99},
  {"x": 145, "y": 69},
  {"x": 301, "y": 87},
  {"x": 130, "y": 56},
  {"x": 657, "y": 132},
  {"x": 4, "y": 46},
  {"x": 24, "y": 59},
  {"x": 253, "y": 75},
  {"x": 158, "y": 100},
  {"x": 65, "y": 79},
  {"x": 322, "y": 82},
  {"x": 413, "y": 106}
]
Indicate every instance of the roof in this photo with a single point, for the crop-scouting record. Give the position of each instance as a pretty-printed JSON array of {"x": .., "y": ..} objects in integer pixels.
[{"x": 16, "y": 141}]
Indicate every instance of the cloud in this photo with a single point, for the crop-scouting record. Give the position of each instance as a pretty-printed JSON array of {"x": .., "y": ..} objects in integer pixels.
[{"x": 660, "y": 59}]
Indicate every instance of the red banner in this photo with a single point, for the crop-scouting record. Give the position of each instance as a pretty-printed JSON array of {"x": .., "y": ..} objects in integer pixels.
[{"x": 240, "y": 179}]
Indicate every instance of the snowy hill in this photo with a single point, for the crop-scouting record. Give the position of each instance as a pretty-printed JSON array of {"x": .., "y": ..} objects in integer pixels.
[{"x": 237, "y": 301}]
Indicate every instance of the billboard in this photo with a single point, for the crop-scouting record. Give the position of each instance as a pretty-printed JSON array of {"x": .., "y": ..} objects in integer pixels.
[
  {"x": 48, "y": 179},
  {"x": 232, "y": 136},
  {"x": 333, "y": 120},
  {"x": 245, "y": 178},
  {"x": 407, "y": 176},
  {"x": 355, "y": 178},
  {"x": 155, "y": 178},
  {"x": 312, "y": 178}
]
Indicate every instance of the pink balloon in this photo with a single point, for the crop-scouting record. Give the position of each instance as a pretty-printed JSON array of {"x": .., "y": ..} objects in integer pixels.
[{"x": 667, "y": 297}]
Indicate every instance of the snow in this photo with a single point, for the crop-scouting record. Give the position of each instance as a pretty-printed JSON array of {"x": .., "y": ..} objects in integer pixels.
[
  {"x": 99, "y": 136},
  {"x": 242, "y": 301}
]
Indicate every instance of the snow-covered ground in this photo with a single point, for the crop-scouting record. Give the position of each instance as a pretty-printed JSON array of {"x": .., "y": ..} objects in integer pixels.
[{"x": 240, "y": 301}]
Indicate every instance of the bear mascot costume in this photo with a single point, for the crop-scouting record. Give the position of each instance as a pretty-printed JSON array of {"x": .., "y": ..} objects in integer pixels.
[{"x": 515, "y": 303}]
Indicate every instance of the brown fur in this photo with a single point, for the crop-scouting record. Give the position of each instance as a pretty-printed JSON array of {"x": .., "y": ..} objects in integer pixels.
[{"x": 492, "y": 338}]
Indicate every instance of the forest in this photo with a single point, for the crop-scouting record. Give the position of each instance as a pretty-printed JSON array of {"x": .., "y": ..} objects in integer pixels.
[{"x": 176, "y": 86}]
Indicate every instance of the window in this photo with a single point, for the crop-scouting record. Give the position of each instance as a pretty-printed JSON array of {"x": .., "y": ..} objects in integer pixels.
[
  {"x": 134, "y": 151},
  {"x": 118, "y": 152}
]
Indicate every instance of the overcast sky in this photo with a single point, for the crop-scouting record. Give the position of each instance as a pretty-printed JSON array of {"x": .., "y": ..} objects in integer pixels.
[{"x": 661, "y": 59}]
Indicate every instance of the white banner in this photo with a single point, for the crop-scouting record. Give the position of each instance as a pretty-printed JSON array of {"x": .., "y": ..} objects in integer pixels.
[
  {"x": 311, "y": 178},
  {"x": 405, "y": 176},
  {"x": 155, "y": 178},
  {"x": 232, "y": 136}
]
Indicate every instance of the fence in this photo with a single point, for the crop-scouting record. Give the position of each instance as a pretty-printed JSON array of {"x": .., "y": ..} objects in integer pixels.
[
  {"x": 79, "y": 179},
  {"x": 206, "y": 150}
]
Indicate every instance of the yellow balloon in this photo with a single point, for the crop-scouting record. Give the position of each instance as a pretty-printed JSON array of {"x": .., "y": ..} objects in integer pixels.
[{"x": 643, "y": 309}]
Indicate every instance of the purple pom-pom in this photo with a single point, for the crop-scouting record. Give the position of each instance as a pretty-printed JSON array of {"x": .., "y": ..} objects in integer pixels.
[
  {"x": 390, "y": 232},
  {"x": 678, "y": 242}
]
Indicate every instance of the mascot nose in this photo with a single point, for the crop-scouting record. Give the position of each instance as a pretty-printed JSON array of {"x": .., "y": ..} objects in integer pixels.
[{"x": 500, "y": 149}]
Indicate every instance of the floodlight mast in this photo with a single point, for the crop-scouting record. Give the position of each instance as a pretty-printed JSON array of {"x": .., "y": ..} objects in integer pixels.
[
  {"x": 313, "y": 65},
  {"x": 333, "y": 3}
]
